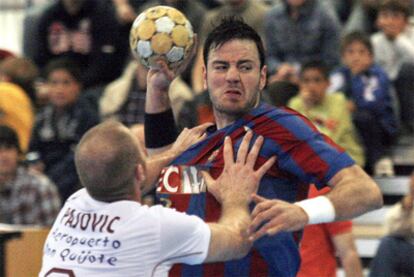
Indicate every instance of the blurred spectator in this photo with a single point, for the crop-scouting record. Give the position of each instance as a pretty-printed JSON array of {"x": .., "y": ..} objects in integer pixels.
[
  {"x": 126, "y": 10},
  {"x": 22, "y": 72},
  {"x": 25, "y": 197},
  {"x": 395, "y": 254},
  {"x": 252, "y": 12},
  {"x": 60, "y": 125},
  {"x": 394, "y": 51},
  {"x": 342, "y": 8},
  {"x": 328, "y": 112},
  {"x": 321, "y": 242},
  {"x": 124, "y": 98},
  {"x": 297, "y": 31},
  {"x": 16, "y": 109},
  {"x": 363, "y": 17},
  {"x": 367, "y": 89},
  {"x": 87, "y": 32},
  {"x": 31, "y": 20}
]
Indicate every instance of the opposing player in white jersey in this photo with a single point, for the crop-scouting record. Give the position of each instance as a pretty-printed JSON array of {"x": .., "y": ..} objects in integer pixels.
[{"x": 103, "y": 230}]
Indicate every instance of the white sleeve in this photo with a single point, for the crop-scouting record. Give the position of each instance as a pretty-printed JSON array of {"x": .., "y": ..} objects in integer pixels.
[
  {"x": 184, "y": 238},
  {"x": 405, "y": 47},
  {"x": 337, "y": 81}
]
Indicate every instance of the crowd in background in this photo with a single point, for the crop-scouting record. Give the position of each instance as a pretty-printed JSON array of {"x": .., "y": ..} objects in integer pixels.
[{"x": 346, "y": 65}]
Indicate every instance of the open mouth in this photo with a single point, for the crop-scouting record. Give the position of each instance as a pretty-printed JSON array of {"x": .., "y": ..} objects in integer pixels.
[{"x": 233, "y": 92}]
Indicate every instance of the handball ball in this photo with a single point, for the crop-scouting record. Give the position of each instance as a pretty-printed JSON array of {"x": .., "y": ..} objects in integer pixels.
[{"x": 161, "y": 32}]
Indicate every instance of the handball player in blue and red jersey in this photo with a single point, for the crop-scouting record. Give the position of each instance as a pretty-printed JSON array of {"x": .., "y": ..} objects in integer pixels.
[{"x": 235, "y": 74}]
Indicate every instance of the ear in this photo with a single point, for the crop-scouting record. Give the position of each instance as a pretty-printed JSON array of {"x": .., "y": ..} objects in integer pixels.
[
  {"x": 263, "y": 77},
  {"x": 140, "y": 175},
  {"x": 139, "y": 181},
  {"x": 204, "y": 68}
]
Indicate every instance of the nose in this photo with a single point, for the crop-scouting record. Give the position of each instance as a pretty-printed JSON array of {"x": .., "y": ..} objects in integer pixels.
[{"x": 233, "y": 74}]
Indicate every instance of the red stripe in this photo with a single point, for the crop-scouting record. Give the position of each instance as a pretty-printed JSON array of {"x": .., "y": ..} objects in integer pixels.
[
  {"x": 175, "y": 270},
  {"x": 202, "y": 156},
  {"x": 213, "y": 270},
  {"x": 258, "y": 267},
  {"x": 283, "y": 137},
  {"x": 180, "y": 202}
]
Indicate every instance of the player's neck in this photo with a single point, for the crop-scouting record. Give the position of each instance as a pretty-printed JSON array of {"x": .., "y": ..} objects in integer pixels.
[{"x": 223, "y": 120}]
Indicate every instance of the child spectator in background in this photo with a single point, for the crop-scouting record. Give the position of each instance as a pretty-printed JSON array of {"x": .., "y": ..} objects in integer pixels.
[
  {"x": 60, "y": 125},
  {"x": 330, "y": 115},
  {"x": 25, "y": 197},
  {"x": 394, "y": 51},
  {"x": 367, "y": 89},
  {"x": 327, "y": 111}
]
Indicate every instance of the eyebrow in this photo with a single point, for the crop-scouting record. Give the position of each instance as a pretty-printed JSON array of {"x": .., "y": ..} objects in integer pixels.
[{"x": 238, "y": 62}]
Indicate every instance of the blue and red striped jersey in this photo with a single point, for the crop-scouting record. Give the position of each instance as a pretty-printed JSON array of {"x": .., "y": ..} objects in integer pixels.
[{"x": 304, "y": 156}]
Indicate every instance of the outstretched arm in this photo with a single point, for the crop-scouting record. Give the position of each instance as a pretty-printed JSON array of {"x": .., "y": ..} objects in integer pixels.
[
  {"x": 353, "y": 193},
  {"x": 155, "y": 163}
]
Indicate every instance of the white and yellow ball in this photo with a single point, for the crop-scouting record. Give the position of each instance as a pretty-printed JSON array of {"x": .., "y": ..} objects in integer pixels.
[{"x": 161, "y": 32}]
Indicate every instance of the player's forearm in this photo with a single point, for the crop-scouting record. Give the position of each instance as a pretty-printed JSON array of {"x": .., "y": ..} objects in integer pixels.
[
  {"x": 157, "y": 100},
  {"x": 352, "y": 264},
  {"x": 160, "y": 131},
  {"x": 153, "y": 166},
  {"x": 354, "y": 193},
  {"x": 229, "y": 239}
]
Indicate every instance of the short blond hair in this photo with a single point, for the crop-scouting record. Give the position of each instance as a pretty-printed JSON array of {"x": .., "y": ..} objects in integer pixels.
[{"x": 106, "y": 159}]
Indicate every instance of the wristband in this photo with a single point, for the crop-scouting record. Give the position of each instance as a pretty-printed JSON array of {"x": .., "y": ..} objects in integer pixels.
[
  {"x": 160, "y": 129},
  {"x": 319, "y": 209}
]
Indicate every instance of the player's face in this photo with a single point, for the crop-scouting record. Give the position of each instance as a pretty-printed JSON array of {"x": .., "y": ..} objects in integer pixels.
[
  {"x": 63, "y": 88},
  {"x": 313, "y": 85},
  {"x": 8, "y": 160},
  {"x": 357, "y": 57},
  {"x": 233, "y": 77}
]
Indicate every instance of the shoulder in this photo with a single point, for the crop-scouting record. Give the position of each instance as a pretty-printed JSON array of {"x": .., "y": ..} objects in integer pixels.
[
  {"x": 171, "y": 217},
  {"x": 378, "y": 71},
  {"x": 34, "y": 180},
  {"x": 283, "y": 123},
  {"x": 295, "y": 102},
  {"x": 377, "y": 37},
  {"x": 337, "y": 97}
]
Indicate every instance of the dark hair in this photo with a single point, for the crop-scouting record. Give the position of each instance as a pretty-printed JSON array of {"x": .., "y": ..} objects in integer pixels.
[
  {"x": 232, "y": 28},
  {"x": 395, "y": 6},
  {"x": 64, "y": 64},
  {"x": 317, "y": 65},
  {"x": 8, "y": 138},
  {"x": 356, "y": 36}
]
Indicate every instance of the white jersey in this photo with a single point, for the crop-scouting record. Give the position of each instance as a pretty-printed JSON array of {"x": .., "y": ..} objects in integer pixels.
[{"x": 123, "y": 238}]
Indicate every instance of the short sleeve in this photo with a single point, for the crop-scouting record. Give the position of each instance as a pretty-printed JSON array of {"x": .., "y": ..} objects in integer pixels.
[{"x": 184, "y": 238}]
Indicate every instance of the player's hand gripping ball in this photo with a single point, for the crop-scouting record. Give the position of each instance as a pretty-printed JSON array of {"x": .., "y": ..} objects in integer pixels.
[{"x": 161, "y": 32}]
